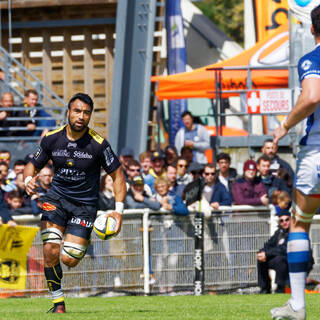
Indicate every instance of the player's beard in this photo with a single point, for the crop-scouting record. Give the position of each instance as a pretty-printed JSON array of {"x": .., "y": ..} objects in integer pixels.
[{"x": 78, "y": 129}]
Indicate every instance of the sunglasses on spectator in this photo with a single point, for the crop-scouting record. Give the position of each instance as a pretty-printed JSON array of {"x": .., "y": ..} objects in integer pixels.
[
  {"x": 135, "y": 170},
  {"x": 182, "y": 165},
  {"x": 284, "y": 220},
  {"x": 209, "y": 173}
]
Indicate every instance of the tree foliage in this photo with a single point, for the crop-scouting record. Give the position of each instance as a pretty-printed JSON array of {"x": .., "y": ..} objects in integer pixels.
[{"x": 228, "y": 15}]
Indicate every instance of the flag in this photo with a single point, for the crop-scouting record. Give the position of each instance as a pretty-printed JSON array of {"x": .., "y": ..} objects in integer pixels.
[
  {"x": 269, "y": 16},
  {"x": 176, "y": 61},
  {"x": 14, "y": 246}
]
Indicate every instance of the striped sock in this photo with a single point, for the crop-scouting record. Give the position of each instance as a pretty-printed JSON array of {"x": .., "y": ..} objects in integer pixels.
[
  {"x": 298, "y": 257},
  {"x": 53, "y": 277}
]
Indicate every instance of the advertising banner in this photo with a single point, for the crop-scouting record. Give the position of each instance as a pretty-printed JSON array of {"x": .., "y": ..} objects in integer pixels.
[
  {"x": 269, "y": 101},
  {"x": 14, "y": 246},
  {"x": 198, "y": 254},
  {"x": 176, "y": 61},
  {"x": 269, "y": 16}
]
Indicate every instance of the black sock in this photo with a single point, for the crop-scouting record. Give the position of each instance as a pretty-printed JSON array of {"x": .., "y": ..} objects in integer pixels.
[{"x": 53, "y": 276}]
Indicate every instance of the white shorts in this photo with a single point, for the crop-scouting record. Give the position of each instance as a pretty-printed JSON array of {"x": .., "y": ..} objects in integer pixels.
[{"x": 307, "y": 178}]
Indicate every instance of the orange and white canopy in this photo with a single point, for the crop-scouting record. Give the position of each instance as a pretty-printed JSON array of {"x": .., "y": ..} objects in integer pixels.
[{"x": 273, "y": 51}]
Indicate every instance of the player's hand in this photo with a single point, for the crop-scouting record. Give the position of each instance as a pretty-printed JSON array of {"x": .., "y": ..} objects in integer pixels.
[
  {"x": 118, "y": 217},
  {"x": 278, "y": 134},
  {"x": 32, "y": 185}
]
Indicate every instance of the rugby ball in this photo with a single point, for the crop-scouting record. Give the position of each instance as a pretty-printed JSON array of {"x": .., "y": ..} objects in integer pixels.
[{"x": 105, "y": 226}]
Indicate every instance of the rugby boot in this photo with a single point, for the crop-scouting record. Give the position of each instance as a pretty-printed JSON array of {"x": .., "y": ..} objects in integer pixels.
[
  {"x": 287, "y": 313},
  {"x": 57, "y": 308}
]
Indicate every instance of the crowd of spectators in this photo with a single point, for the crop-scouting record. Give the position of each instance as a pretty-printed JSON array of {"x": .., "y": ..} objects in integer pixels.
[
  {"x": 157, "y": 181},
  {"x": 33, "y": 121}
]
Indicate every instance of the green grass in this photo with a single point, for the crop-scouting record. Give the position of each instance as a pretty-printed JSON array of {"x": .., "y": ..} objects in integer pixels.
[{"x": 217, "y": 307}]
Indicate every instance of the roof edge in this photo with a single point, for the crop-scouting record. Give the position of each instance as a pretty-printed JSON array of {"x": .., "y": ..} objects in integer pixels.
[{"x": 52, "y": 3}]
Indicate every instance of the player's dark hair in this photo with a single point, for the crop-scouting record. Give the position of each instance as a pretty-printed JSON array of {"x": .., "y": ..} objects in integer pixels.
[
  {"x": 267, "y": 140},
  {"x": 19, "y": 162},
  {"x": 315, "y": 19},
  {"x": 82, "y": 97}
]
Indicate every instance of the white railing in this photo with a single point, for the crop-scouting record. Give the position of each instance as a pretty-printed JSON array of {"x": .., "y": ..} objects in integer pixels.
[{"x": 155, "y": 253}]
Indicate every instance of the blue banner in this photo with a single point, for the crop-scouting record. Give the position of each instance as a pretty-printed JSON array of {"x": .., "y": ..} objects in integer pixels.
[{"x": 176, "y": 61}]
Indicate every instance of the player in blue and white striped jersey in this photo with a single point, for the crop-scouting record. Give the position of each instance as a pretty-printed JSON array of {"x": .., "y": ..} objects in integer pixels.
[{"x": 306, "y": 192}]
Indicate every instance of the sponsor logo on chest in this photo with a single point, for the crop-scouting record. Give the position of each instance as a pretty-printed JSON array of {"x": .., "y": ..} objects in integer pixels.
[
  {"x": 67, "y": 154},
  {"x": 82, "y": 155}
]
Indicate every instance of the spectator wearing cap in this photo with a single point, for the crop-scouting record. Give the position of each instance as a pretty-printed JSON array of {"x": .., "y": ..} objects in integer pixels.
[
  {"x": 193, "y": 135},
  {"x": 171, "y": 155},
  {"x": 134, "y": 169},
  {"x": 195, "y": 169},
  {"x": 273, "y": 255},
  {"x": 158, "y": 166},
  {"x": 126, "y": 154},
  {"x": 249, "y": 190},
  {"x": 137, "y": 198}
]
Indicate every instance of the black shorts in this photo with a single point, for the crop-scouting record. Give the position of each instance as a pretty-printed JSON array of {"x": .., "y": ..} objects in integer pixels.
[{"x": 78, "y": 219}]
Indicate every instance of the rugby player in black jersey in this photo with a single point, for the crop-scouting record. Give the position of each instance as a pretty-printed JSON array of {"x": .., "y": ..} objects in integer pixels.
[{"x": 70, "y": 206}]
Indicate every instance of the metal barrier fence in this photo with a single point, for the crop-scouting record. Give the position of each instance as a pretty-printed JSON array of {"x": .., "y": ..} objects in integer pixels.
[{"x": 155, "y": 254}]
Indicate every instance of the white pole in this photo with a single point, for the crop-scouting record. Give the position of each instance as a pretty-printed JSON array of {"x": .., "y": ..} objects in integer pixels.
[
  {"x": 146, "y": 272},
  {"x": 249, "y": 27}
]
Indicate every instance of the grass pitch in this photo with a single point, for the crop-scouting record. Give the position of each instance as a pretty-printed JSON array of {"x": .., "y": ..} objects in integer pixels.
[{"x": 217, "y": 307}]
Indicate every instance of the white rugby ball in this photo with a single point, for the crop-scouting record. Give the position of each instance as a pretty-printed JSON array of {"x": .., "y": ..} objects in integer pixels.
[{"x": 105, "y": 226}]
